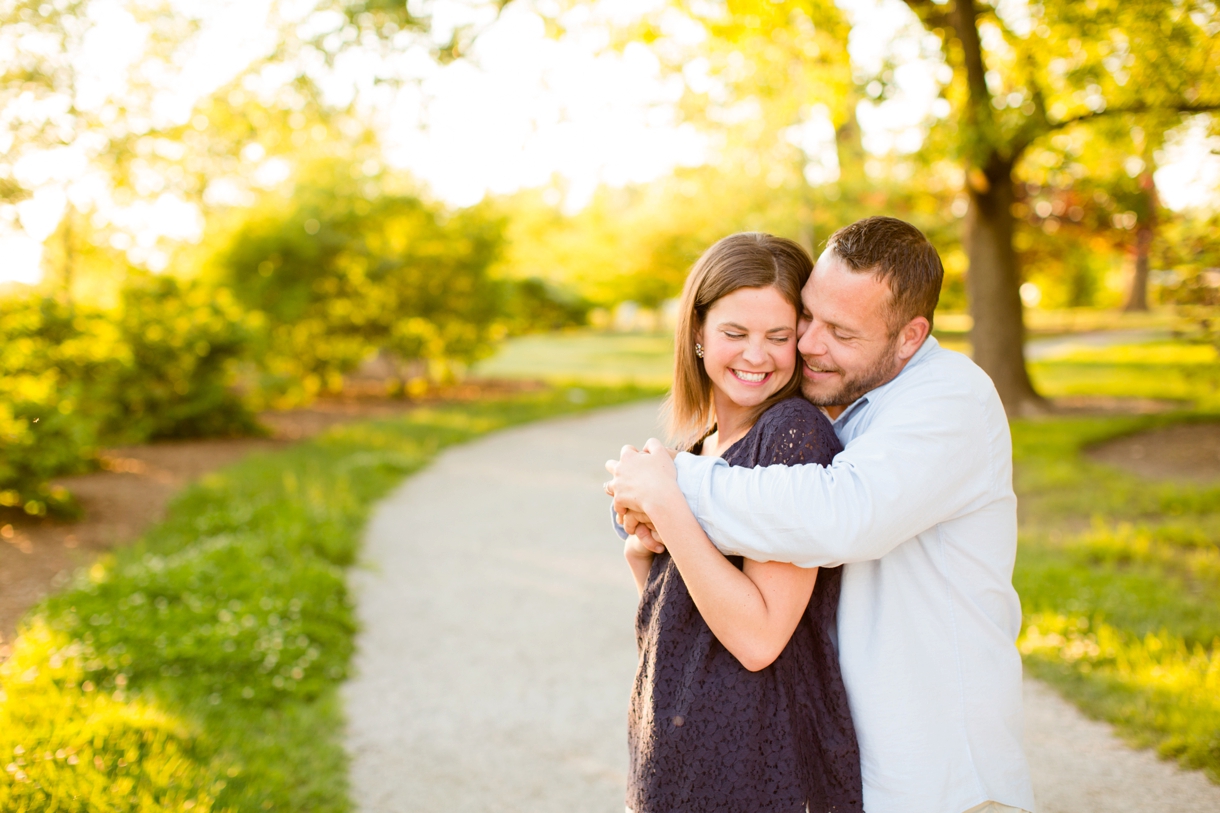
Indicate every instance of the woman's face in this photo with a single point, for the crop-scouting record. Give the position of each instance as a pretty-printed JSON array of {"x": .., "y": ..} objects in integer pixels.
[{"x": 749, "y": 344}]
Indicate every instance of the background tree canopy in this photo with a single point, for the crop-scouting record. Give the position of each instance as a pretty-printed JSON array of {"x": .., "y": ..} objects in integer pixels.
[{"x": 252, "y": 238}]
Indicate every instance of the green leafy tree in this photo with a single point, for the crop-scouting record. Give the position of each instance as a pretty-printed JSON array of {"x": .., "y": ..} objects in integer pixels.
[
  {"x": 1190, "y": 254},
  {"x": 1086, "y": 204},
  {"x": 1021, "y": 75},
  {"x": 339, "y": 276},
  {"x": 53, "y": 108}
]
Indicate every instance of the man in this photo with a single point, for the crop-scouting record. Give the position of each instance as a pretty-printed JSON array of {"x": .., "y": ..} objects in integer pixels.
[{"x": 919, "y": 507}]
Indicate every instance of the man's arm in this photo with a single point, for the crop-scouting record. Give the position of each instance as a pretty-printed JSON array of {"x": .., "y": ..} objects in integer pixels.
[
  {"x": 920, "y": 462},
  {"x": 916, "y": 465}
]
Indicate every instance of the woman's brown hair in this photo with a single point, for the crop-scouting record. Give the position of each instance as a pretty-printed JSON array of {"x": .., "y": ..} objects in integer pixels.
[{"x": 747, "y": 260}]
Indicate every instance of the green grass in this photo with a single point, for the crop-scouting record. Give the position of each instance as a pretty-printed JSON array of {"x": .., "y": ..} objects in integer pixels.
[
  {"x": 1120, "y": 586},
  {"x": 198, "y": 669},
  {"x": 587, "y": 356},
  {"x": 1119, "y": 577},
  {"x": 1168, "y": 370},
  {"x": 1067, "y": 321}
]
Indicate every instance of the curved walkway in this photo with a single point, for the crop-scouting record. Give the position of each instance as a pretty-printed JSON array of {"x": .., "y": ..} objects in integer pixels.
[{"x": 497, "y": 649}]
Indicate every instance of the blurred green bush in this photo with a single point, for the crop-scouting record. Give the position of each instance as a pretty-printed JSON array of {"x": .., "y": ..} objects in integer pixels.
[
  {"x": 180, "y": 345},
  {"x": 340, "y": 276},
  {"x": 73, "y": 377},
  {"x": 54, "y": 362}
]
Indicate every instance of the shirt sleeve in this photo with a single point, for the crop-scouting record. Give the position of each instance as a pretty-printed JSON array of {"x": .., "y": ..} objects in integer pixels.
[{"x": 925, "y": 458}]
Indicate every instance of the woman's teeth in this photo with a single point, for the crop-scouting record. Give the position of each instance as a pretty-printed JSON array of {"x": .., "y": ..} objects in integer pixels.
[{"x": 752, "y": 378}]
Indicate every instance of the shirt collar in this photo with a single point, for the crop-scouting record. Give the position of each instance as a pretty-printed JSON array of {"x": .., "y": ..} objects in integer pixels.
[{"x": 928, "y": 346}]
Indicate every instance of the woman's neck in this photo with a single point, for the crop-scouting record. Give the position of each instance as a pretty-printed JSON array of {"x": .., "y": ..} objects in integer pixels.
[{"x": 732, "y": 420}]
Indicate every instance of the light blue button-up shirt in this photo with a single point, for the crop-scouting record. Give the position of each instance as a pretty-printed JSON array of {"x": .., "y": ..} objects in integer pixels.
[{"x": 919, "y": 508}]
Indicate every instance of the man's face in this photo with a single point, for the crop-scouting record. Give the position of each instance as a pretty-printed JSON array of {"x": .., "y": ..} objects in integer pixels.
[{"x": 845, "y": 337}]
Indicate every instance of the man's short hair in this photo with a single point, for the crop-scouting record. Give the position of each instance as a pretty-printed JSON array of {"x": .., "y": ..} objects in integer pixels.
[{"x": 900, "y": 255}]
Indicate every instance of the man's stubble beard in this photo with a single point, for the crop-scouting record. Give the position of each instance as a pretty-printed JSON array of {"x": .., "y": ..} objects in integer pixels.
[{"x": 882, "y": 371}]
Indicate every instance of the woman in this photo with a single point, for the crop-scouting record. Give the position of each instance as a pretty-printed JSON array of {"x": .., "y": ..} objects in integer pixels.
[{"x": 738, "y": 704}]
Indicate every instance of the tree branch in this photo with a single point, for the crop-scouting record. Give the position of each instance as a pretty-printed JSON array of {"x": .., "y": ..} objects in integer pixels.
[
  {"x": 930, "y": 14},
  {"x": 1138, "y": 107}
]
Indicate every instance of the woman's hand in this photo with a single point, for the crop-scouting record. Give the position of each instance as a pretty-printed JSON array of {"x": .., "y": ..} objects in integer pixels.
[{"x": 643, "y": 477}]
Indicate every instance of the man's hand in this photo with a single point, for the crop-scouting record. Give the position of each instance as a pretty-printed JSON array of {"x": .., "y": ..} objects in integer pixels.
[
  {"x": 640, "y": 528},
  {"x": 640, "y": 477},
  {"x": 634, "y": 550}
]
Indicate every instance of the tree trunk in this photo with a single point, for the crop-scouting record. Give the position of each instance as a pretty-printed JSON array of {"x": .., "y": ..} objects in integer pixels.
[
  {"x": 993, "y": 283},
  {"x": 1137, "y": 297}
]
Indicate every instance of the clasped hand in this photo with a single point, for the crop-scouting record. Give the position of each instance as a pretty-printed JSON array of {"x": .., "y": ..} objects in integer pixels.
[{"x": 640, "y": 479}]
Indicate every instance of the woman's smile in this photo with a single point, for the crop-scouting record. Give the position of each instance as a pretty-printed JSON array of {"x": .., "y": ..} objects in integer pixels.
[{"x": 751, "y": 378}]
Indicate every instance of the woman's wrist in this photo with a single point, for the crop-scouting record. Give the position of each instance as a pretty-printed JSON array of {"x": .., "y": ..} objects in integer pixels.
[{"x": 661, "y": 502}]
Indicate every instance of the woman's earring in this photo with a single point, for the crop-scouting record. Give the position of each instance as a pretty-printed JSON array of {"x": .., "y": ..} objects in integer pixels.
[{"x": 698, "y": 350}]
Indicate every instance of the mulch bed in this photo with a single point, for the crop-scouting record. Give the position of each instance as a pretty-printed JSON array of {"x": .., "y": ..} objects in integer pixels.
[{"x": 1189, "y": 452}]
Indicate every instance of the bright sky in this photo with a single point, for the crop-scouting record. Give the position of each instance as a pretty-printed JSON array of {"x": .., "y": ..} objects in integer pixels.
[{"x": 526, "y": 110}]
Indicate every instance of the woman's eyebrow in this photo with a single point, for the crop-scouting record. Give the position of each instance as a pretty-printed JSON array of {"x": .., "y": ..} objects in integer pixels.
[{"x": 744, "y": 329}]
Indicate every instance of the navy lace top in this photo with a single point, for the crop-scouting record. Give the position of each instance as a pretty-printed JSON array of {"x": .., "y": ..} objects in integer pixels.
[{"x": 706, "y": 734}]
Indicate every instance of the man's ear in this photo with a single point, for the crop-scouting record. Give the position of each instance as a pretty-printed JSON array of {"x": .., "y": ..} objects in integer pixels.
[{"x": 912, "y": 336}]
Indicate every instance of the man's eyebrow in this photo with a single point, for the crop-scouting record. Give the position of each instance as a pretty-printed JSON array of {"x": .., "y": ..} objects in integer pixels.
[{"x": 840, "y": 327}]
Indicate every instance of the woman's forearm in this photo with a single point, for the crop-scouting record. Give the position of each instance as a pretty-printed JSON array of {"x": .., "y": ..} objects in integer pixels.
[{"x": 752, "y": 621}]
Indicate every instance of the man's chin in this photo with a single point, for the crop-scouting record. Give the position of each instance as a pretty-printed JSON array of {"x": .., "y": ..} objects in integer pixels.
[{"x": 820, "y": 394}]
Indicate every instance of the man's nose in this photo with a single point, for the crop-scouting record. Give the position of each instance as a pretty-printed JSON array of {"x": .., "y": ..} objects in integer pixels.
[{"x": 812, "y": 341}]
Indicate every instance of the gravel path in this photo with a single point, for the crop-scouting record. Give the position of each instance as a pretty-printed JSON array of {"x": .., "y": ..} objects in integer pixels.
[{"x": 497, "y": 649}]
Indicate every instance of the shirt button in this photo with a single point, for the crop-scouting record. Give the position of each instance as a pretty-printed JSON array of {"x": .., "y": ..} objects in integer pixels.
[{"x": 678, "y": 721}]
